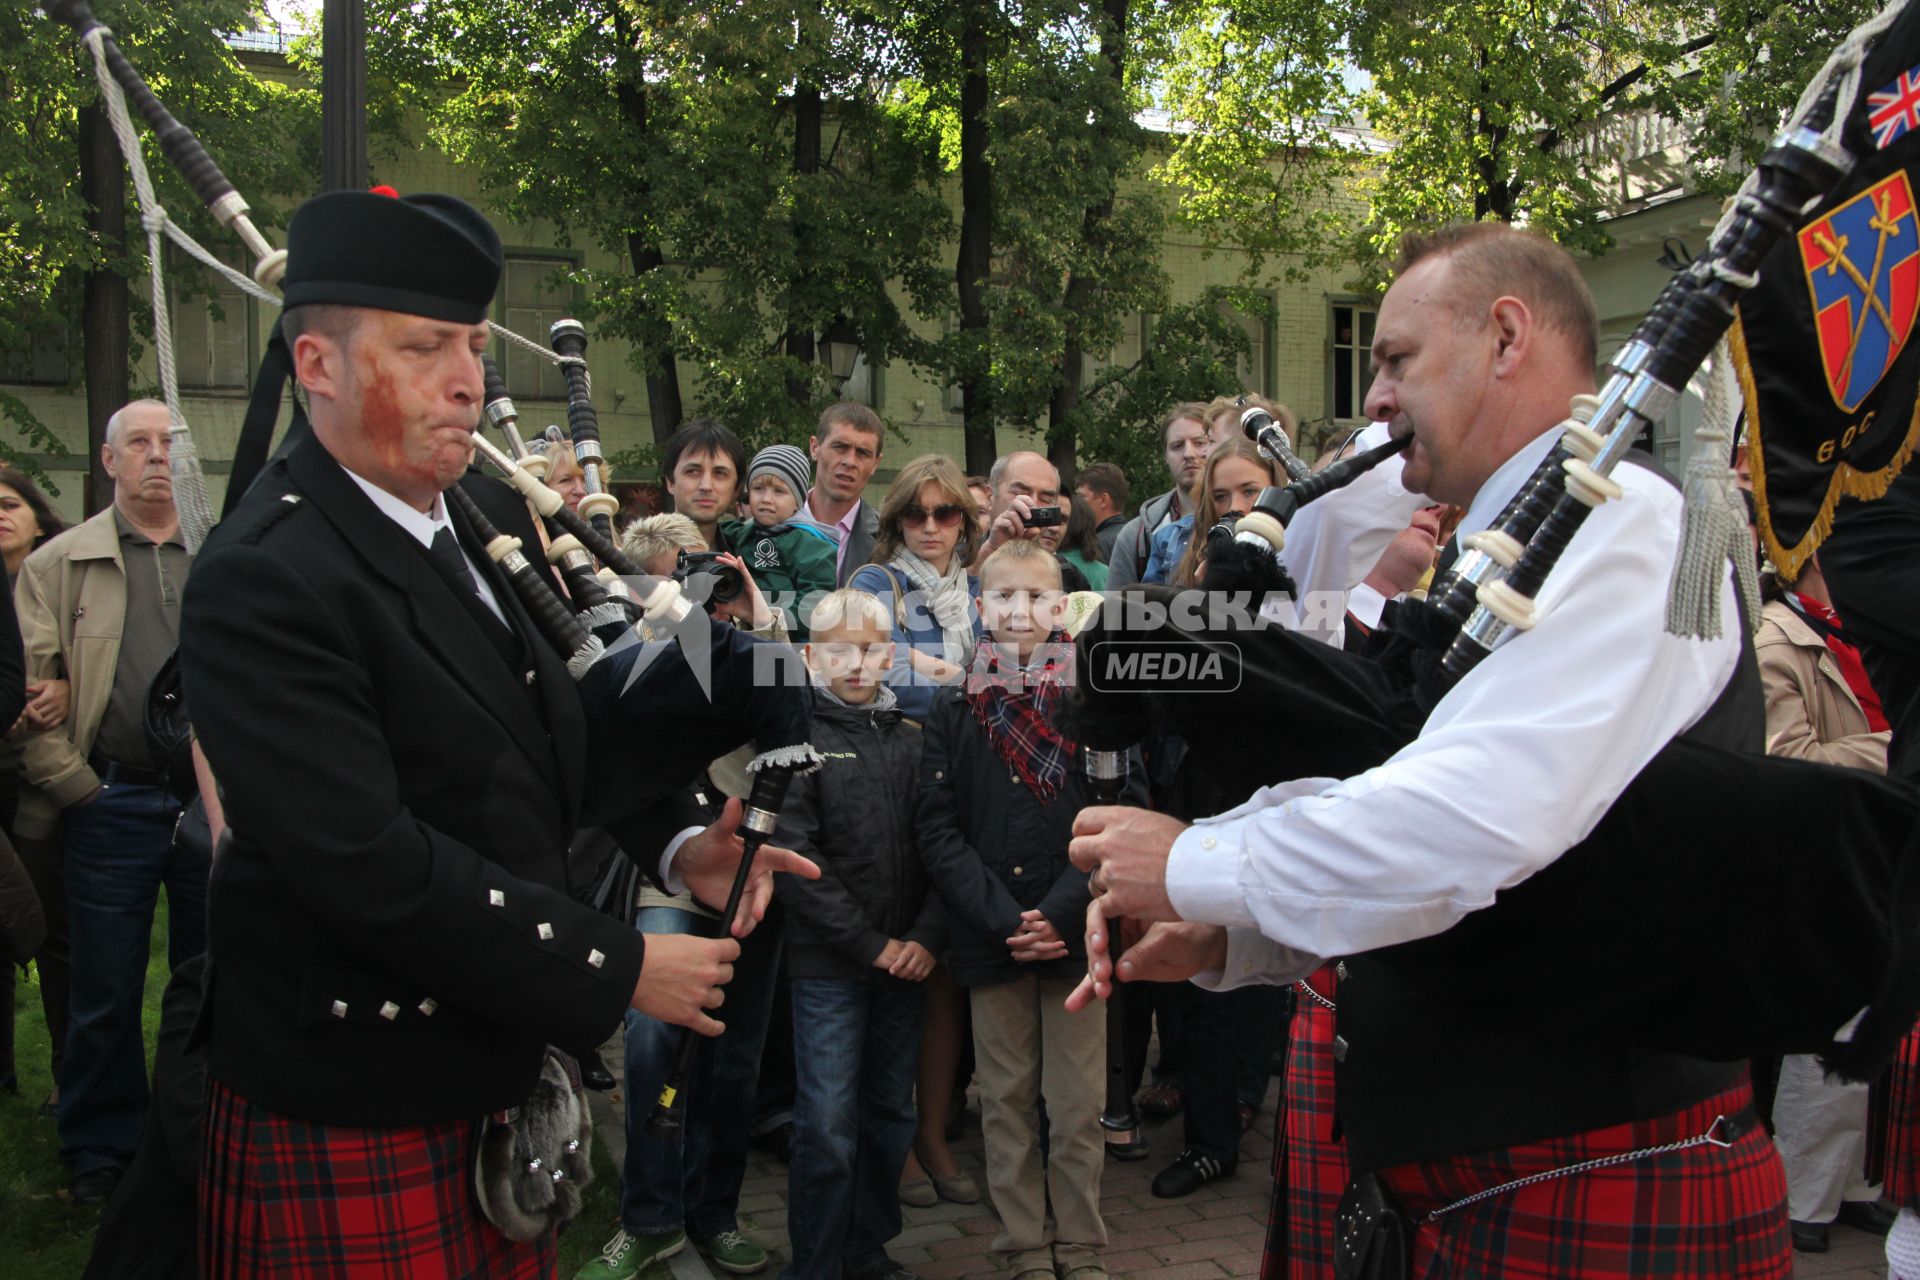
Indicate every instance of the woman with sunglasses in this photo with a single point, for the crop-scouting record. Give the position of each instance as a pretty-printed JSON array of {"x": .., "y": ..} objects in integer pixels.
[{"x": 919, "y": 571}]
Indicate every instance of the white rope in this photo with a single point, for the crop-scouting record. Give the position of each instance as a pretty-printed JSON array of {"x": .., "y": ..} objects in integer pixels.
[
  {"x": 190, "y": 500},
  {"x": 546, "y": 353},
  {"x": 1714, "y": 525},
  {"x": 238, "y": 279},
  {"x": 190, "y": 496}
]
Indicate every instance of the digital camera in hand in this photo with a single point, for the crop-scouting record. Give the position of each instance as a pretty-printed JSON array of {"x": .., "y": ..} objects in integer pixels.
[
  {"x": 1045, "y": 517},
  {"x": 728, "y": 583}
]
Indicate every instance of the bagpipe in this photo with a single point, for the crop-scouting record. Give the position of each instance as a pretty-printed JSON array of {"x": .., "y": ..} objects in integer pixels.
[
  {"x": 667, "y": 688},
  {"x": 1728, "y": 905},
  {"x": 118, "y": 82}
]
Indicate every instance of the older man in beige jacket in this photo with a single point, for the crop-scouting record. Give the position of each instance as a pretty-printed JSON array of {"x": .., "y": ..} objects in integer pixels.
[{"x": 100, "y": 606}]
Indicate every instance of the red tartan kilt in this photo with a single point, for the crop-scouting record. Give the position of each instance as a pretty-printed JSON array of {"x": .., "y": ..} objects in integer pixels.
[
  {"x": 1708, "y": 1211},
  {"x": 297, "y": 1200},
  {"x": 1307, "y": 1190},
  {"x": 1903, "y": 1124}
]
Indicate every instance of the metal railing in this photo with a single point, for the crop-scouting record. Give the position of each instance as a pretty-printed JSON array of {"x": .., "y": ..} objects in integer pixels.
[{"x": 275, "y": 37}]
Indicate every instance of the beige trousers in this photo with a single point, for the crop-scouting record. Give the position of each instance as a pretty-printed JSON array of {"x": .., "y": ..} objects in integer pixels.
[{"x": 1027, "y": 1046}]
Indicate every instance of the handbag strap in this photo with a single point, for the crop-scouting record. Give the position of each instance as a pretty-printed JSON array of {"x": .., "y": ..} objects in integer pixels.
[{"x": 899, "y": 597}]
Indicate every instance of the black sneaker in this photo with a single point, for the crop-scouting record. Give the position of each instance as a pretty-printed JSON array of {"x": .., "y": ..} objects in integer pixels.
[
  {"x": 889, "y": 1270},
  {"x": 1870, "y": 1216},
  {"x": 1810, "y": 1237},
  {"x": 1189, "y": 1172},
  {"x": 95, "y": 1186}
]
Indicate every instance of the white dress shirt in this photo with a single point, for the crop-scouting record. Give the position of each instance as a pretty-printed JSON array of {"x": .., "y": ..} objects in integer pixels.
[
  {"x": 1365, "y": 605},
  {"x": 422, "y": 526},
  {"x": 1516, "y": 764},
  {"x": 1335, "y": 542}
]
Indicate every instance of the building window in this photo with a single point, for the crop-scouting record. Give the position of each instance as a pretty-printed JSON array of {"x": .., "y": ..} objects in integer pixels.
[
  {"x": 1255, "y": 370},
  {"x": 212, "y": 325},
  {"x": 863, "y": 384},
  {"x": 535, "y": 296},
  {"x": 1351, "y": 349},
  {"x": 43, "y": 361}
]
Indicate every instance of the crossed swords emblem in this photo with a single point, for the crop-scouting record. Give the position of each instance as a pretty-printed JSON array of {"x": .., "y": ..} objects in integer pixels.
[{"x": 1835, "y": 247}]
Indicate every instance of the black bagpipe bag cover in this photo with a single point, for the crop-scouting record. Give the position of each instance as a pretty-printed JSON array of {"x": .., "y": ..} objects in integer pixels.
[
  {"x": 1727, "y": 906},
  {"x": 653, "y": 730}
]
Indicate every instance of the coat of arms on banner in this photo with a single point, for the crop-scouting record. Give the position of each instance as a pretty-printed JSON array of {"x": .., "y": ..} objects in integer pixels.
[{"x": 1863, "y": 270}]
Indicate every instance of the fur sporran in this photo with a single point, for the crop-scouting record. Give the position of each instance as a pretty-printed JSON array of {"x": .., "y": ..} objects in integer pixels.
[{"x": 535, "y": 1160}]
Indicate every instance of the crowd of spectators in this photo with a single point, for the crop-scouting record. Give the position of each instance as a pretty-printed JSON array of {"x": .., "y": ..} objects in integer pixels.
[{"x": 933, "y": 956}]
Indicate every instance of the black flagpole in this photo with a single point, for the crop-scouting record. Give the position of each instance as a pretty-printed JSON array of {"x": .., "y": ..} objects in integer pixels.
[{"x": 343, "y": 95}]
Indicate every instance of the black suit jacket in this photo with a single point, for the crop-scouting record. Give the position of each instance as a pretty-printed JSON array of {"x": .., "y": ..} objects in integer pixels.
[{"x": 392, "y": 937}]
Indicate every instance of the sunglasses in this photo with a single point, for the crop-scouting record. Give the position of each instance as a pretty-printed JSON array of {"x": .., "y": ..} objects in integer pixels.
[{"x": 946, "y": 515}]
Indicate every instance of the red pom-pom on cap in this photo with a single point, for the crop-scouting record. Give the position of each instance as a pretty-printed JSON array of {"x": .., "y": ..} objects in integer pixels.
[{"x": 384, "y": 190}]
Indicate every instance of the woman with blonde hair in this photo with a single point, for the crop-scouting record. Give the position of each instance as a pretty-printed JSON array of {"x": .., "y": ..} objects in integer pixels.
[
  {"x": 1235, "y": 473},
  {"x": 928, "y": 536}
]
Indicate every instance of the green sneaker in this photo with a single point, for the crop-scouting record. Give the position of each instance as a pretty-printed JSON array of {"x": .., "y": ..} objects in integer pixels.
[
  {"x": 733, "y": 1252},
  {"x": 626, "y": 1256}
]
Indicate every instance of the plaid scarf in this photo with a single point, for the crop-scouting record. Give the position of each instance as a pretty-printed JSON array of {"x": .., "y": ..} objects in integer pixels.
[
  {"x": 1014, "y": 704},
  {"x": 1826, "y": 624}
]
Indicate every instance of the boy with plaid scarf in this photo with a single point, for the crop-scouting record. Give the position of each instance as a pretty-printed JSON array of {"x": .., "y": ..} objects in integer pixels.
[{"x": 999, "y": 789}]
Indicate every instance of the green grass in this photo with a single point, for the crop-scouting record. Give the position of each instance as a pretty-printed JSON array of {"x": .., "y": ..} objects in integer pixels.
[
  {"x": 41, "y": 1234},
  {"x": 43, "y": 1237}
]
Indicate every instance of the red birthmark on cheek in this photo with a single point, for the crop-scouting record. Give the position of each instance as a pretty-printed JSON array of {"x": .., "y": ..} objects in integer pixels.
[{"x": 381, "y": 419}]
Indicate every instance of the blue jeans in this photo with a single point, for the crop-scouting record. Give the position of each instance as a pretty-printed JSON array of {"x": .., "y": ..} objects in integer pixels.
[
  {"x": 693, "y": 1180},
  {"x": 118, "y": 851},
  {"x": 856, "y": 1046}
]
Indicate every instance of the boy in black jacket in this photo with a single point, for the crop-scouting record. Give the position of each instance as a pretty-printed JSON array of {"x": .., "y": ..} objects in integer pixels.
[
  {"x": 860, "y": 941},
  {"x": 999, "y": 789}
]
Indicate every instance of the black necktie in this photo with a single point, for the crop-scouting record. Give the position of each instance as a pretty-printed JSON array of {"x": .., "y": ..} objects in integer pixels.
[{"x": 447, "y": 558}]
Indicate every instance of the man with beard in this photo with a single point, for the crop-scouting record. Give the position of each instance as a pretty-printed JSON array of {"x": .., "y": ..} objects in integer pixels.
[{"x": 1183, "y": 439}]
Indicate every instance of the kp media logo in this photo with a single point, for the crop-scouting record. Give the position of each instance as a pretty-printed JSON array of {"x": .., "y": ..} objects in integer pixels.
[{"x": 1162, "y": 666}]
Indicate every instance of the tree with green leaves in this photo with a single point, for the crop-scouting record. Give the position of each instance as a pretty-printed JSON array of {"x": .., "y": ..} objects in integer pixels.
[
  {"x": 1075, "y": 234},
  {"x": 63, "y": 233},
  {"x": 1378, "y": 116},
  {"x": 747, "y": 164}
]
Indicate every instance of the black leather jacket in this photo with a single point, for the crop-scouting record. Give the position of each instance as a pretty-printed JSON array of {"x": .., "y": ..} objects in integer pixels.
[{"x": 854, "y": 816}]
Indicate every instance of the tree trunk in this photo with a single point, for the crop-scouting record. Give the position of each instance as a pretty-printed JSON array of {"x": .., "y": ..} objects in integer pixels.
[
  {"x": 106, "y": 337},
  {"x": 1083, "y": 284},
  {"x": 664, "y": 409},
  {"x": 1497, "y": 195},
  {"x": 806, "y": 162},
  {"x": 975, "y": 258}
]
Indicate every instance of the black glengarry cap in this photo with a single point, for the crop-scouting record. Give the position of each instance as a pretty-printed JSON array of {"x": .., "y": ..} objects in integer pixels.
[{"x": 424, "y": 255}]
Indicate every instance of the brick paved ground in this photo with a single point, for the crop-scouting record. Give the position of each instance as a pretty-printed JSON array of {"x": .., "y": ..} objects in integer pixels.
[{"x": 1217, "y": 1231}]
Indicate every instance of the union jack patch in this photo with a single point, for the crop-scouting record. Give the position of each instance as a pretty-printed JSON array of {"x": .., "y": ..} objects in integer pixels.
[{"x": 1895, "y": 109}]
